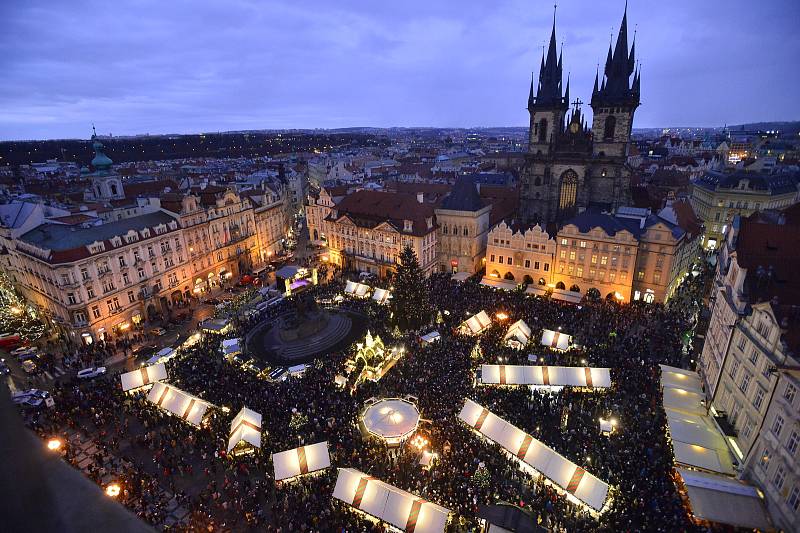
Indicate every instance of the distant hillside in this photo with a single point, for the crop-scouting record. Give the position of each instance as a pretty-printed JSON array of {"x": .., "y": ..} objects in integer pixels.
[{"x": 791, "y": 127}]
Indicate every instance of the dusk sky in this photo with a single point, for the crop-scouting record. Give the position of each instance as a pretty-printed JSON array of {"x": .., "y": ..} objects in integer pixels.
[{"x": 181, "y": 67}]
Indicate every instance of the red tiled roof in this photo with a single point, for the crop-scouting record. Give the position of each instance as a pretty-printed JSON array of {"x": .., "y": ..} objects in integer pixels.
[
  {"x": 370, "y": 208},
  {"x": 770, "y": 254}
]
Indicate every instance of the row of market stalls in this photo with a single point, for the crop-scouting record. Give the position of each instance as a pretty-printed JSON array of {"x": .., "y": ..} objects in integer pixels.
[
  {"x": 574, "y": 480},
  {"x": 546, "y": 376},
  {"x": 388, "y": 503},
  {"x": 519, "y": 333},
  {"x": 359, "y": 290},
  {"x": 704, "y": 461},
  {"x": 533, "y": 290}
]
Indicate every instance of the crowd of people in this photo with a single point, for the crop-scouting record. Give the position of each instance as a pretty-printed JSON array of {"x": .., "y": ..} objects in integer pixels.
[{"x": 163, "y": 462}]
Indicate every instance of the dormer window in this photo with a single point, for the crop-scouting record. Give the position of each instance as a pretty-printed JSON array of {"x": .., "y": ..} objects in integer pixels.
[
  {"x": 429, "y": 222},
  {"x": 407, "y": 225}
]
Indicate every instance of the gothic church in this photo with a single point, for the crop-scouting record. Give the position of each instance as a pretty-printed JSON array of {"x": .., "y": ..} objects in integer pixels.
[{"x": 570, "y": 167}]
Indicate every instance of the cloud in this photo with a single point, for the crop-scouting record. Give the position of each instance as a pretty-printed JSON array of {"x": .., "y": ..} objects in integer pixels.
[{"x": 149, "y": 66}]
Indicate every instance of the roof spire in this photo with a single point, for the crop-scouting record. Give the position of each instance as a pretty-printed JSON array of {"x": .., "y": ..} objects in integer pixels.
[
  {"x": 530, "y": 94},
  {"x": 549, "y": 89},
  {"x": 596, "y": 76},
  {"x": 566, "y": 92}
]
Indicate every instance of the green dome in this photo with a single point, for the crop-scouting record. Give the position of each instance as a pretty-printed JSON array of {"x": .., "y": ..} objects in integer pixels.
[{"x": 101, "y": 161}]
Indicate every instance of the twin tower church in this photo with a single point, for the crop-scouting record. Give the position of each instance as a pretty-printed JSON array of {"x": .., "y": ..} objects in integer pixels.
[{"x": 570, "y": 167}]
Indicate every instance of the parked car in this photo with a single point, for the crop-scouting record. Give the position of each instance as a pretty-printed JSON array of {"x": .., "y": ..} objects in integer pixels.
[
  {"x": 91, "y": 372},
  {"x": 158, "y": 332},
  {"x": 31, "y": 398},
  {"x": 29, "y": 366},
  {"x": 23, "y": 350},
  {"x": 28, "y": 356},
  {"x": 10, "y": 340},
  {"x": 145, "y": 350},
  {"x": 278, "y": 374}
]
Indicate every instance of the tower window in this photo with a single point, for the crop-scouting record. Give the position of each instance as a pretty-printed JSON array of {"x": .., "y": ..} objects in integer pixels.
[
  {"x": 611, "y": 124},
  {"x": 543, "y": 130}
]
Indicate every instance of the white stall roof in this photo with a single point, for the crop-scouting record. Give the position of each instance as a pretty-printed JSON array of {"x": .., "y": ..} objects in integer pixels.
[
  {"x": 391, "y": 418},
  {"x": 301, "y": 461},
  {"x": 684, "y": 400},
  {"x": 143, "y": 376},
  {"x": 567, "y": 296},
  {"x": 682, "y": 379},
  {"x": 399, "y": 508},
  {"x": 519, "y": 331},
  {"x": 724, "y": 500},
  {"x": 498, "y": 284},
  {"x": 430, "y": 337},
  {"x": 547, "y": 376},
  {"x": 563, "y": 472},
  {"x": 460, "y": 276},
  {"x": 231, "y": 346},
  {"x": 476, "y": 324},
  {"x": 556, "y": 339},
  {"x": 246, "y": 426},
  {"x": 361, "y": 290},
  {"x": 536, "y": 290},
  {"x": 381, "y": 296},
  {"x": 350, "y": 287},
  {"x": 179, "y": 403}
]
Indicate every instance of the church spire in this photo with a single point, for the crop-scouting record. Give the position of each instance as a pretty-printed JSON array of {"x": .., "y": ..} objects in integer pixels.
[
  {"x": 620, "y": 65},
  {"x": 530, "y": 94},
  {"x": 548, "y": 92},
  {"x": 101, "y": 162}
]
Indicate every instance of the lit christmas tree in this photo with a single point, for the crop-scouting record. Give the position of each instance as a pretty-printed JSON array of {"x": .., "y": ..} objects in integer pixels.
[
  {"x": 15, "y": 315},
  {"x": 409, "y": 303}
]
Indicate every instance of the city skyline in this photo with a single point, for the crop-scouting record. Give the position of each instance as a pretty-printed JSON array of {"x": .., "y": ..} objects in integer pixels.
[{"x": 274, "y": 66}]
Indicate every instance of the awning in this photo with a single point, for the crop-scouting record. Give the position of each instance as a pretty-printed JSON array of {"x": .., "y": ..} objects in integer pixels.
[
  {"x": 301, "y": 461},
  {"x": 536, "y": 290},
  {"x": 245, "y": 427},
  {"x": 567, "y": 296},
  {"x": 460, "y": 276},
  {"x": 547, "y": 376},
  {"x": 556, "y": 339},
  {"x": 143, "y": 376},
  {"x": 181, "y": 404},
  {"x": 725, "y": 500},
  {"x": 519, "y": 331},
  {"x": 476, "y": 324},
  {"x": 572, "y": 478},
  {"x": 499, "y": 284}
]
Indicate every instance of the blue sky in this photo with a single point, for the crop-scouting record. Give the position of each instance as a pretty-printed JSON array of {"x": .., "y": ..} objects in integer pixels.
[{"x": 178, "y": 66}]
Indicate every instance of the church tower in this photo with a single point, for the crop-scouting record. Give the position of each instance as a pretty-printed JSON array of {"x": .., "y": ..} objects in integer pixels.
[
  {"x": 616, "y": 99},
  {"x": 547, "y": 107},
  {"x": 105, "y": 184}
]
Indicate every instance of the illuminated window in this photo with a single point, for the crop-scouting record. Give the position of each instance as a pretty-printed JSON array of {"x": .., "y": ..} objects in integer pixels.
[{"x": 569, "y": 190}]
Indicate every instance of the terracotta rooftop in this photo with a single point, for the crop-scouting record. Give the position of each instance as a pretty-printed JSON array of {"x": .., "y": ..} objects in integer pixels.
[{"x": 371, "y": 208}]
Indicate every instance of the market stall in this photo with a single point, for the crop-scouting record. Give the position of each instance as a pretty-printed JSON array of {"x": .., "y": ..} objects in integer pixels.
[
  {"x": 556, "y": 340},
  {"x": 179, "y": 403},
  {"x": 301, "y": 461},
  {"x": 143, "y": 377},
  {"x": 399, "y": 508},
  {"x": 391, "y": 419},
  {"x": 576, "y": 481},
  {"x": 245, "y": 432},
  {"x": 381, "y": 296},
  {"x": 431, "y": 337},
  {"x": 518, "y": 335},
  {"x": 546, "y": 376},
  {"x": 476, "y": 324}
]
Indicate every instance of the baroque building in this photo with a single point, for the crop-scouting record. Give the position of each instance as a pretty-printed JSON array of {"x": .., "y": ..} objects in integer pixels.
[{"x": 570, "y": 166}]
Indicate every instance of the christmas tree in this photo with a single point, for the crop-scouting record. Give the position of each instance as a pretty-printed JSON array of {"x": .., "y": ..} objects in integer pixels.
[{"x": 409, "y": 303}]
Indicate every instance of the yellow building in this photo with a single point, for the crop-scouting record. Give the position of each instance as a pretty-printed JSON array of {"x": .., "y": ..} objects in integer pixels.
[
  {"x": 520, "y": 254},
  {"x": 718, "y": 196}
]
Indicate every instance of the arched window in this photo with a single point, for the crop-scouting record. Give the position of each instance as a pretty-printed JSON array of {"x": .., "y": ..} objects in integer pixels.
[
  {"x": 541, "y": 281},
  {"x": 444, "y": 229},
  {"x": 466, "y": 231},
  {"x": 527, "y": 280},
  {"x": 543, "y": 130},
  {"x": 560, "y": 285},
  {"x": 114, "y": 189},
  {"x": 611, "y": 124},
  {"x": 569, "y": 191},
  {"x": 575, "y": 288},
  {"x": 509, "y": 276}
]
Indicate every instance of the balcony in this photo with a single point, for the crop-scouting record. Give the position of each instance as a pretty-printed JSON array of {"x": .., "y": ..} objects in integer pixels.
[{"x": 103, "y": 273}]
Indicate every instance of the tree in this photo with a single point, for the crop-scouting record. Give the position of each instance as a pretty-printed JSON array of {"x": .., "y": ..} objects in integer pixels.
[{"x": 409, "y": 304}]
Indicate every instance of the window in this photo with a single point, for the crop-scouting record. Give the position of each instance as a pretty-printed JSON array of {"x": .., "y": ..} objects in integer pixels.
[
  {"x": 758, "y": 400},
  {"x": 747, "y": 428},
  {"x": 543, "y": 130},
  {"x": 582, "y": 244},
  {"x": 572, "y": 256},
  {"x": 594, "y": 259},
  {"x": 491, "y": 258},
  {"x": 789, "y": 392},
  {"x": 122, "y": 261},
  {"x": 131, "y": 297},
  {"x": 640, "y": 275},
  {"x": 777, "y": 425},
  {"x": 96, "y": 311},
  {"x": 564, "y": 242},
  {"x": 71, "y": 298},
  {"x": 536, "y": 265},
  {"x": 779, "y": 477},
  {"x": 734, "y": 368},
  {"x": 754, "y": 357},
  {"x": 141, "y": 273},
  {"x": 90, "y": 291},
  {"x": 528, "y": 263},
  {"x": 509, "y": 260},
  {"x": 501, "y": 258},
  {"x": 791, "y": 444},
  {"x": 547, "y": 267},
  {"x": 579, "y": 272},
  {"x": 764, "y": 460},
  {"x": 794, "y": 498},
  {"x": 610, "y": 126},
  {"x": 126, "y": 279},
  {"x": 657, "y": 277},
  {"x": 563, "y": 254},
  {"x": 84, "y": 274},
  {"x": 569, "y": 191},
  {"x": 604, "y": 260},
  {"x": 746, "y": 377}
]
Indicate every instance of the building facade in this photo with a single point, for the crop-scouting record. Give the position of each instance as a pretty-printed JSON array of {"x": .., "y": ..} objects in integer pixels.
[
  {"x": 463, "y": 222},
  {"x": 570, "y": 166},
  {"x": 749, "y": 363},
  {"x": 523, "y": 255},
  {"x": 367, "y": 230},
  {"x": 717, "y": 197}
]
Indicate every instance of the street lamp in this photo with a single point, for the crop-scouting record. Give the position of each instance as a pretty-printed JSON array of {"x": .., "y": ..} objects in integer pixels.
[
  {"x": 113, "y": 490},
  {"x": 54, "y": 444}
]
